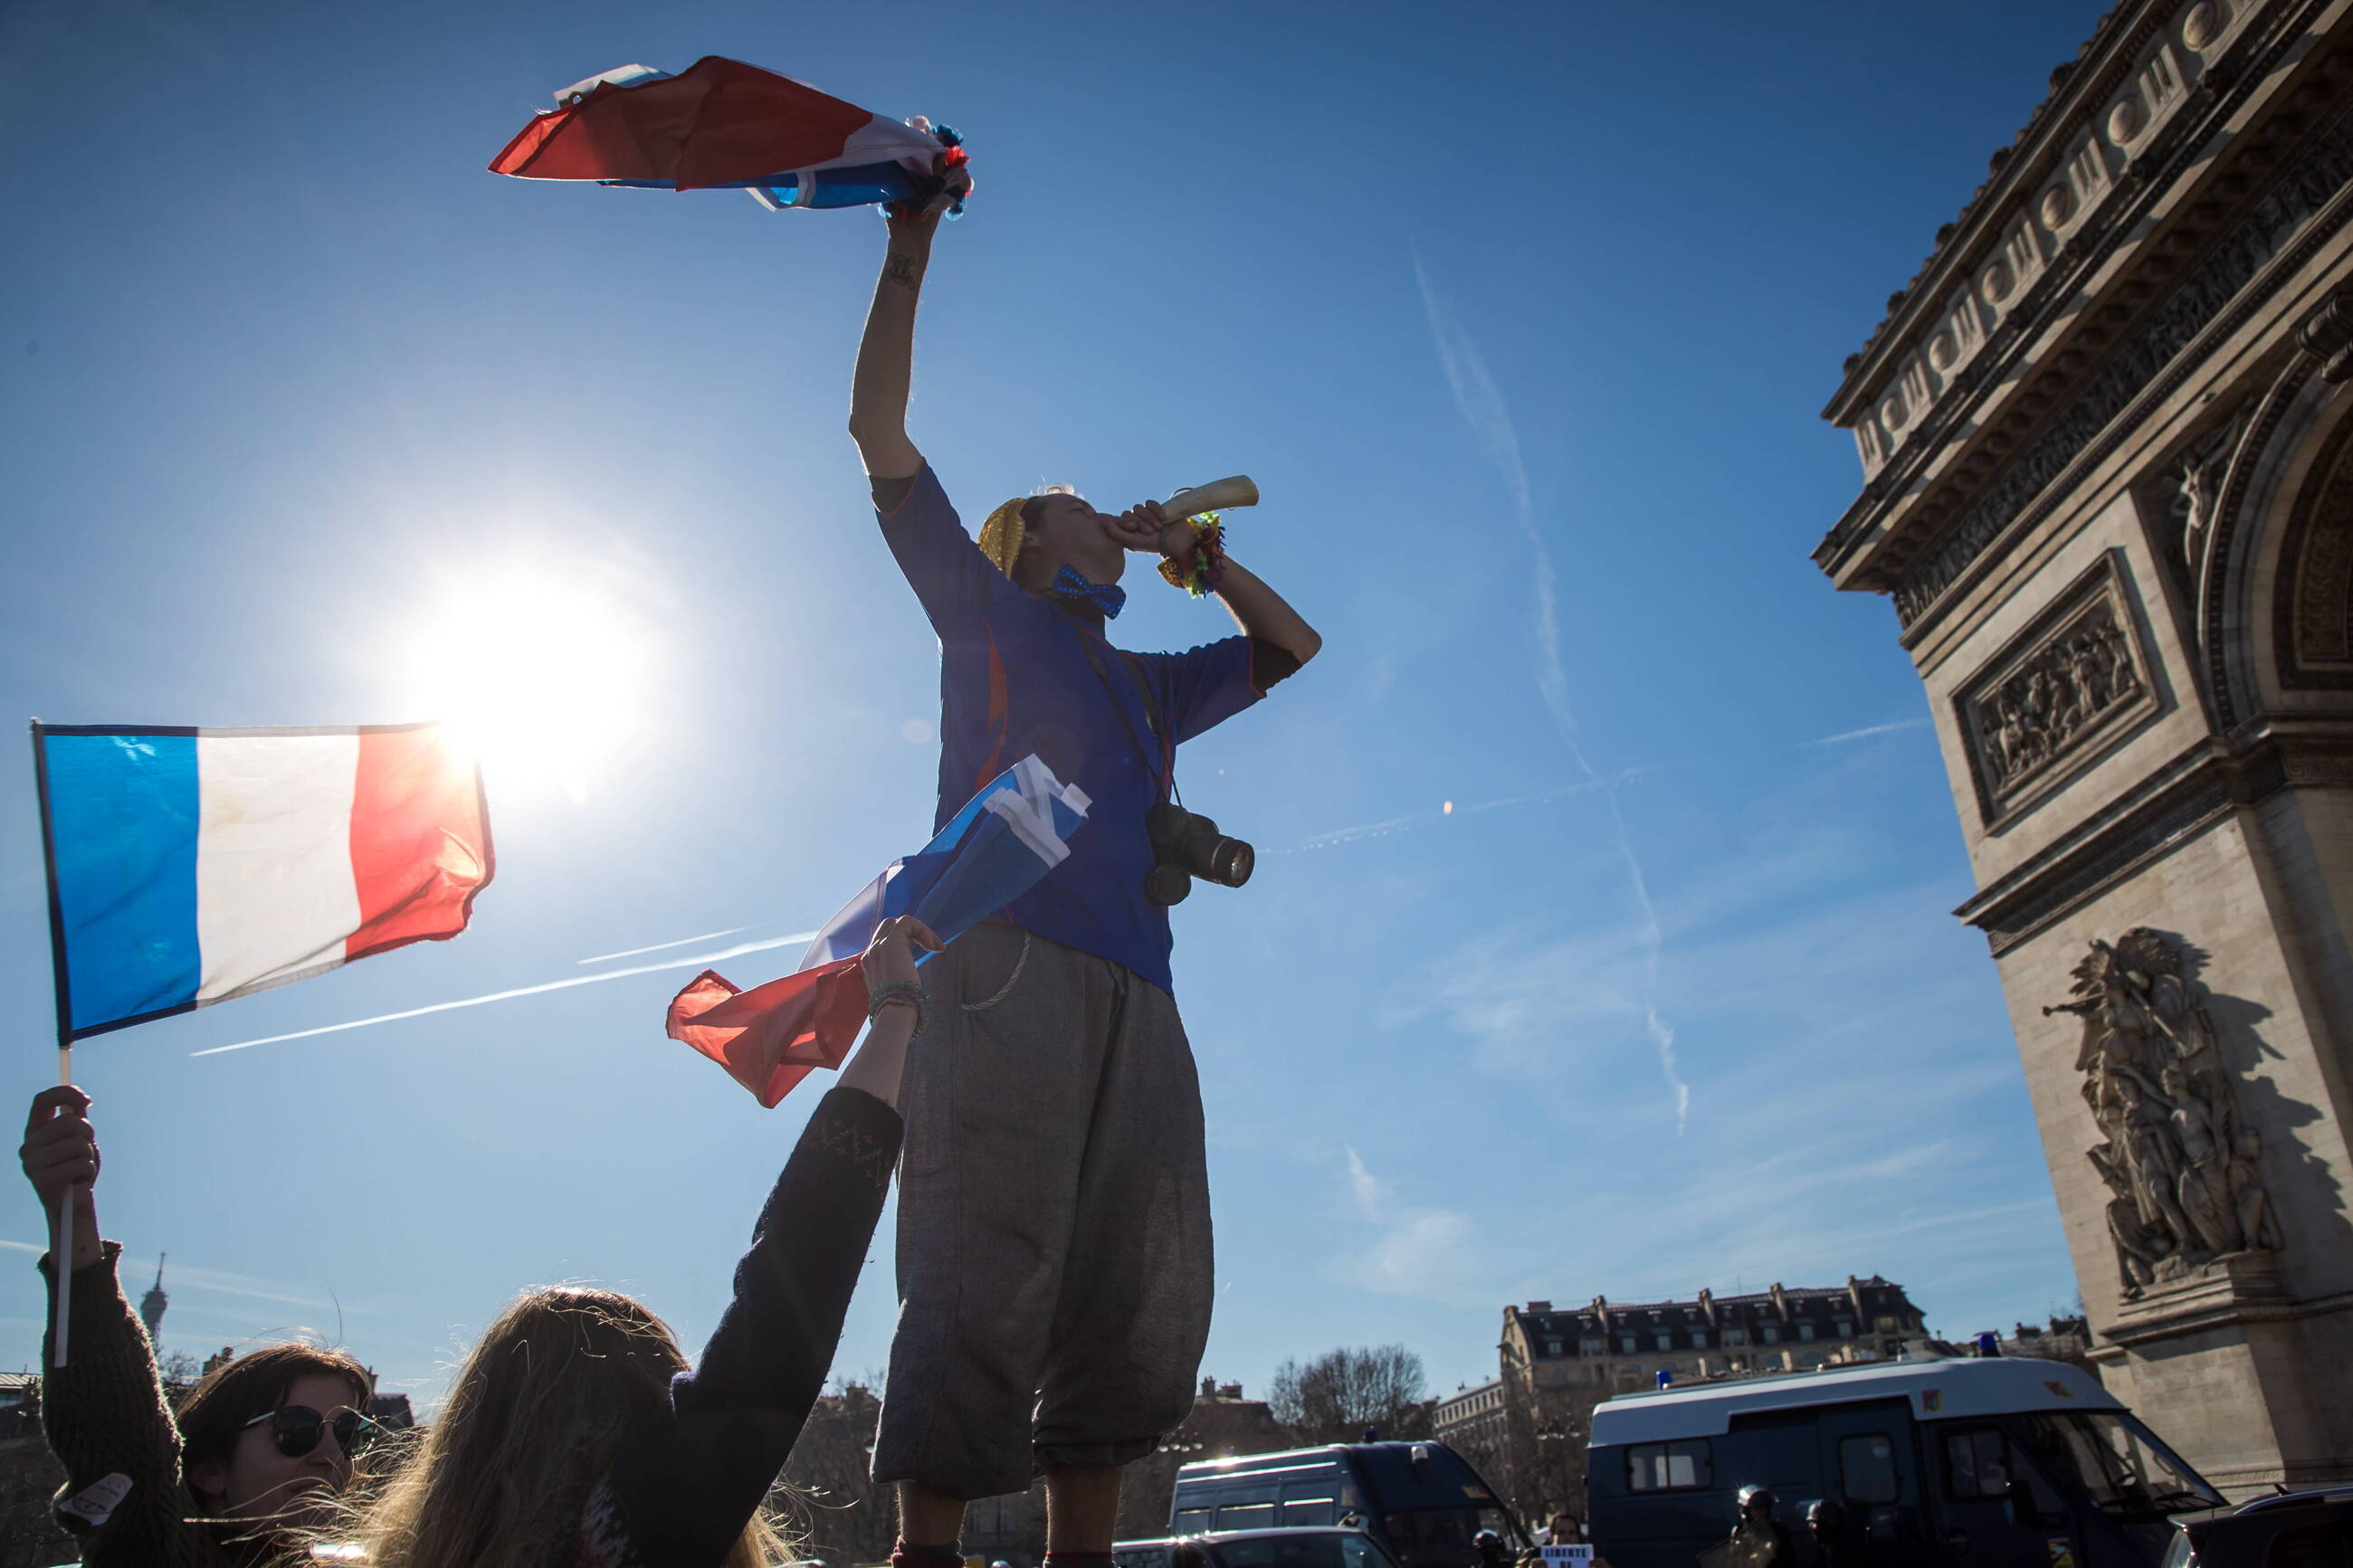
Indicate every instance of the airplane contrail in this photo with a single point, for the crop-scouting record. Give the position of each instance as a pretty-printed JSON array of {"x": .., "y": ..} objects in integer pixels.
[
  {"x": 657, "y": 946},
  {"x": 698, "y": 960},
  {"x": 1484, "y": 407}
]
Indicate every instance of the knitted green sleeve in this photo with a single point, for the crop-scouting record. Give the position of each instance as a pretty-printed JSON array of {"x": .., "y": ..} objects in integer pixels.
[{"x": 105, "y": 1416}]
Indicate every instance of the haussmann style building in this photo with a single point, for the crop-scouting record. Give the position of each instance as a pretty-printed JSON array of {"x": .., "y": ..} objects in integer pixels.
[
  {"x": 2107, "y": 454},
  {"x": 1614, "y": 1346}
]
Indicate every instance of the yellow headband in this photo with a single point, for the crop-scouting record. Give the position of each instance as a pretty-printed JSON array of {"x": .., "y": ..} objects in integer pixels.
[{"x": 1001, "y": 536}]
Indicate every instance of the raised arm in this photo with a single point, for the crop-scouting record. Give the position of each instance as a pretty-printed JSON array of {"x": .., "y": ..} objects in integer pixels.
[
  {"x": 886, "y": 355},
  {"x": 688, "y": 1477},
  {"x": 103, "y": 1411}
]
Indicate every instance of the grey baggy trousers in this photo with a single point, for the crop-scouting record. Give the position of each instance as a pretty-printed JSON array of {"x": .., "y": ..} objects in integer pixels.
[{"x": 1054, "y": 1257}]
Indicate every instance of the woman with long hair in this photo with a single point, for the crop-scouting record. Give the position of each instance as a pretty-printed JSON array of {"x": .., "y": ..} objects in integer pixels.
[
  {"x": 576, "y": 1435},
  {"x": 256, "y": 1453}
]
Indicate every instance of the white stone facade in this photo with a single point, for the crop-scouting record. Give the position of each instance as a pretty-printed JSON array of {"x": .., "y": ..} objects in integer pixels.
[{"x": 2107, "y": 439}]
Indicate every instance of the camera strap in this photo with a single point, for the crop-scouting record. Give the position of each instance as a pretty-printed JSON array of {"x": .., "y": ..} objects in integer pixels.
[{"x": 1152, "y": 716}]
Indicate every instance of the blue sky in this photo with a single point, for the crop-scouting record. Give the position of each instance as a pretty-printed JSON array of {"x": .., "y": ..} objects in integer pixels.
[{"x": 1520, "y": 315}]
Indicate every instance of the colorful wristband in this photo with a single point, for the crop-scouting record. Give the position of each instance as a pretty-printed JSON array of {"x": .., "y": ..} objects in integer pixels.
[{"x": 1204, "y": 566}]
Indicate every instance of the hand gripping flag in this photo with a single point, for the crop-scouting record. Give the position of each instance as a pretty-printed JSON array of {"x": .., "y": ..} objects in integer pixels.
[
  {"x": 997, "y": 847},
  {"x": 189, "y": 866},
  {"x": 722, "y": 124}
]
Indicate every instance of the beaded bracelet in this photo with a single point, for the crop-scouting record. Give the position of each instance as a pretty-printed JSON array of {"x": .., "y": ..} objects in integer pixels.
[
  {"x": 1204, "y": 567},
  {"x": 907, "y": 993}
]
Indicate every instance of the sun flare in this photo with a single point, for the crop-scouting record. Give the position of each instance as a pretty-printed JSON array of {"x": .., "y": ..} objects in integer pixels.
[{"x": 541, "y": 670}]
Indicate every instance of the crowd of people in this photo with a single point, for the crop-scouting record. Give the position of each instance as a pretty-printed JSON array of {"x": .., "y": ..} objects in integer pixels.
[{"x": 576, "y": 1435}]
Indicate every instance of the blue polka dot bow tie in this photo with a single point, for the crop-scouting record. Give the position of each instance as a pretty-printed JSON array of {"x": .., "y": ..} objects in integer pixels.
[{"x": 1108, "y": 598}]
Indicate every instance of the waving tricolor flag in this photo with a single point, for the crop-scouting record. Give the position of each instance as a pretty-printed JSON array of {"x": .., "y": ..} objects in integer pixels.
[
  {"x": 722, "y": 124},
  {"x": 189, "y": 866},
  {"x": 1005, "y": 839}
]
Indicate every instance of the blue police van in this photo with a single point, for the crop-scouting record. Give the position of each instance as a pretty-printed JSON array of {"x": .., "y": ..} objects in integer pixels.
[
  {"x": 1423, "y": 1501},
  {"x": 1969, "y": 1463}
]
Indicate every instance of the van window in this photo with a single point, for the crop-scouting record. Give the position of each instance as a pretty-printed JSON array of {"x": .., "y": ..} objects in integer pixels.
[
  {"x": 1668, "y": 1467},
  {"x": 1190, "y": 1521},
  {"x": 2312, "y": 1546},
  {"x": 2117, "y": 1462},
  {"x": 1977, "y": 1464},
  {"x": 1428, "y": 1537},
  {"x": 1300, "y": 1511},
  {"x": 1867, "y": 1468},
  {"x": 1245, "y": 1515}
]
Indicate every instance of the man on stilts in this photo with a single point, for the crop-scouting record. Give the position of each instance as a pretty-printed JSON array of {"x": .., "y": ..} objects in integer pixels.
[{"x": 1054, "y": 1249}]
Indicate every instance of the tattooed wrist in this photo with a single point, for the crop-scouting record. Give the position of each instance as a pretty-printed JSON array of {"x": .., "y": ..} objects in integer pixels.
[{"x": 902, "y": 267}]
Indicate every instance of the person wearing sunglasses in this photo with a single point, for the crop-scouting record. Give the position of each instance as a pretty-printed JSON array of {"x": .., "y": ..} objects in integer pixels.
[
  {"x": 577, "y": 1436},
  {"x": 257, "y": 1450}
]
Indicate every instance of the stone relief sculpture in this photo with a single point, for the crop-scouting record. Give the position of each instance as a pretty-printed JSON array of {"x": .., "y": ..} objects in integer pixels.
[
  {"x": 2190, "y": 488},
  {"x": 2057, "y": 693},
  {"x": 2200, "y": 484},
  {"x": 2181, "y": 1168}
]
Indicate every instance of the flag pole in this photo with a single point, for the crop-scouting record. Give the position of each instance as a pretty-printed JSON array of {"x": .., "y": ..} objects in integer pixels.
[
  {"x": 60, "y": 1255},
  {"x": 61, "y": 1261}
]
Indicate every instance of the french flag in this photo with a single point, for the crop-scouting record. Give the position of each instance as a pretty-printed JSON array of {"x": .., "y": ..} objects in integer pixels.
[
  {"x": 188, "y": 865},
  {"x": 997, "y": 848},
  {"x": 722, "y": 124}
]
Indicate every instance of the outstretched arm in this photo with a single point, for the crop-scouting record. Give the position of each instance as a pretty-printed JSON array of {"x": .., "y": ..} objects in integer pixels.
[
  {"x": 886, "y": 355},
  {"x": 690, "y": 1476},
  {"x": 104, "y": 1411}
]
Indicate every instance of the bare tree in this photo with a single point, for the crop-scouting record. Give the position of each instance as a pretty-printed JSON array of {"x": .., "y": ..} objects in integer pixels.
[
  {"x": 829, "y": 1504},
  {"x": 1338, "y": 1395}
]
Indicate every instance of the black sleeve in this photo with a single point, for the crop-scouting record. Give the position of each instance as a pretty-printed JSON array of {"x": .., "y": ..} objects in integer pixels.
[
  {"x": 687, "y": 1478},
  {"x": 1271, "y": 662},
  {"x": 105, "y": 1418},
  {"x": 889, "y": 495}
]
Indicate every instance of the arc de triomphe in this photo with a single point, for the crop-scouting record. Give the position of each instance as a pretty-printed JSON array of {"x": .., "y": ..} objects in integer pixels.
[{"x": 2107, "y": 444}]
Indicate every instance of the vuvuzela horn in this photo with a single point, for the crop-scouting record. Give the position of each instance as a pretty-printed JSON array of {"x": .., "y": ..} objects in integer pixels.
[{"x": 1215, "y": 495}]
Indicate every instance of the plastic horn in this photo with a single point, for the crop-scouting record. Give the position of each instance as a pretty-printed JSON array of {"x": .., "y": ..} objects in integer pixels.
[{"x": 1215, "y": 495}]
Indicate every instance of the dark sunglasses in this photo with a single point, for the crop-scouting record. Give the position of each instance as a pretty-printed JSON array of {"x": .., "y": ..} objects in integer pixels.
[{"x": 296, "y": 1428}]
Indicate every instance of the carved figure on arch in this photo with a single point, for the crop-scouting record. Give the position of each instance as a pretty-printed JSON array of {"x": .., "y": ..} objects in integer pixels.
[
  {"x": 2181, "y": 1166},
  {"x": 2198, "y": 485},
  {"x": 2053, "y": 697}
]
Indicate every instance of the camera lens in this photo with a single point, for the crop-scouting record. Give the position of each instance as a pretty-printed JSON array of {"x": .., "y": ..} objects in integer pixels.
[
  {"x": 1167, "y": 884},
  {"x": 1231, "y": 862}
]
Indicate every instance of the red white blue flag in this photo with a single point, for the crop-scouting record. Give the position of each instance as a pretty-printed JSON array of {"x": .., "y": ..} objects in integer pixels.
[
  {"x": 188, "y": 865},
  {"x": 997, "y": 847},
  {"x": 722, "y": 124}
]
